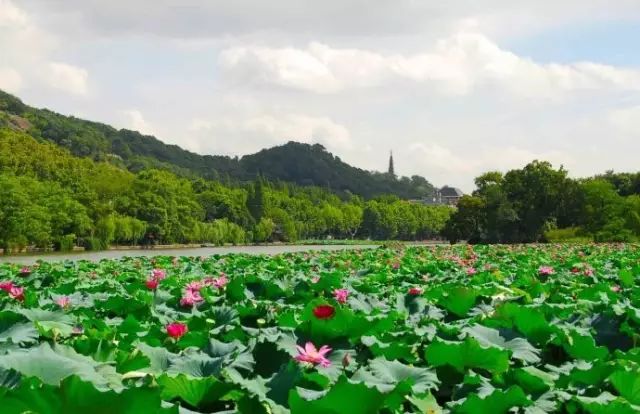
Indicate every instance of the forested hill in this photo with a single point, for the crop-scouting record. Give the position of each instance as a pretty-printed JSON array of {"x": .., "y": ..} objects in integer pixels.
[
  {"x": 306, "y": 164},
  {"x": 293, "y": 162}
]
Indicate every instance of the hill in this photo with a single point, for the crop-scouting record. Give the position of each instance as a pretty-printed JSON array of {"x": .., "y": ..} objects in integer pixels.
[
  {"x": 306, "y": 164},
  {"x": 302, "y": 164},
  {"x": 49, "y": 197}
]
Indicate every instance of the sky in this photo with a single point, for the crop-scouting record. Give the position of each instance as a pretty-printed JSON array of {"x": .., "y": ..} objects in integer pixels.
[{"x": 454, "y": 88}]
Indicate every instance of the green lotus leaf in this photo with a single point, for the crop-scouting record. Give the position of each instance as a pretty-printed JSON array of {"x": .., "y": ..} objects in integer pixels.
[
  {"x": 627, "y": 383},
  {"x": 521, "y": 349},
  {"x": 497, "y": 402},
  {"x": 201, "y": 393},
  {"x": 467, "y": 354},
  {"x": 385, "y": 375},
  {"x": 356, "y": 398},
  {"x": 52, "y": 364}
]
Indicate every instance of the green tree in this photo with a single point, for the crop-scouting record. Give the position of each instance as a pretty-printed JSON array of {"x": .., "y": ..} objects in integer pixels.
[
  {"x": 263, "y": 230},
  {"x": 352, "y": 218},
  {"x": 105, "y": 230},
  {"x": 535, "y": 193},
  {"x": 602, "y": 208},
  {"x": 469, "y": 220},
  {"x": 256, "y": 202}
]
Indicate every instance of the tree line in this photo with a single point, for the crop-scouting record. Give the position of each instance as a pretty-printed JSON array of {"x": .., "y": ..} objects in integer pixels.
[
  {"x": 49, "y": 197},
  {"x": 539, "y": 203}
]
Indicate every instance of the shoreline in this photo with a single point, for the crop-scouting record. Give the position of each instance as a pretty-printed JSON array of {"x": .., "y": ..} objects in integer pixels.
[
  {"x": 273, "y": 248},
  {"x": 178, "y": 246}
]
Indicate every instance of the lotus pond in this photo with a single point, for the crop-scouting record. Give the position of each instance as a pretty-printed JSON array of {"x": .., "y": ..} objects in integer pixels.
[{"x": 461, "y": 329}]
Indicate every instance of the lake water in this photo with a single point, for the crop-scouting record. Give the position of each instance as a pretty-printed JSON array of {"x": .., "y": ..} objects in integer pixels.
[{"x": 198, "y": 251}]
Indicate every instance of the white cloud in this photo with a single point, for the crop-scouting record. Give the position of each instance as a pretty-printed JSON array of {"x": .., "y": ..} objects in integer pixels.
[
  {"x": 456, "y": 65},
  {"x": 21, "y": 40},
  {"x": 440, "y": 158},
  {"x": 242, "y": 135},
  {"x": 10, "y": 80},
  {"x": 287, "y": 67},
  {"x": 68, "y": 78},
  {"x": 444, "y": 165},
  {"x": 10, "y": 15},
  {"x": 134, "y": 120},
  {"x": 28, "y": 48},
  {"x": 329, "y": 18},
  {"x": 302, "y": 128},
  {"x": 626, "y": 120}
]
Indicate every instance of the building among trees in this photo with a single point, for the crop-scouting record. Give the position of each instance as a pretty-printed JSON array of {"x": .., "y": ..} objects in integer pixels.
[
  {"x": 445, "y": 196},
  {"x": 448, "y": 195}
]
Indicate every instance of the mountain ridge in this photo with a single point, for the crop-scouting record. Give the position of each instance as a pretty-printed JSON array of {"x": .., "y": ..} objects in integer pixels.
[{"x": 299, "y": 163}]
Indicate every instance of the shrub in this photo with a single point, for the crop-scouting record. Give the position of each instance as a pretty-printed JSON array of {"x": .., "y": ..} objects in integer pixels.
[
  {"x": 66, "y": 242},
  {"x": 94, "y": 243},
  {"x": 567, "y": 235},
  {"x": 263, "y": 230}
]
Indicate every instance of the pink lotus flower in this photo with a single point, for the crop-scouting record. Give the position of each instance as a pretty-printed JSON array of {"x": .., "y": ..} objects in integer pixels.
[
  {"x": 177, "y": 329},
  {"x": 6, "y": 285},
  {"x": 220, "y": 282},
  {"x": 17, "y": 293},
  {"x": 191, "y": 298},
  {"x": 471, "y": 271},
  {"x": 546, "y": 270},
  {"x": 341, "y": 295},
  {"x": 152, "y": 284},
  {"x": 312, "y": 355},
  {"x": 588, "y": 271},
  {"x": 158, "y": 274},
  {"x": 615, "y": 288},
  {"x": 25, "y": 271},
  {"x": 194, "y": 286},
  {"x": 64, "y": 302},
  {"x": 315, "y": 279}
]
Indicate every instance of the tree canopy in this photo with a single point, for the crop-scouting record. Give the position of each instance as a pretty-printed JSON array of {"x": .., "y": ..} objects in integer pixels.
[
  {"x": 49, "y": 197},
  {"x": 540, "y": 203}
]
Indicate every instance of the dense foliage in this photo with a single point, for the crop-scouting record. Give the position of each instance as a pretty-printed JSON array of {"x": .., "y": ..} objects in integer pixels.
[
  {"x": 48, "y": 196},
  {"x": 312, "y": 165},
  {"x": 297, "y": 163},
  {"x": 539, "y": 203},
  {"x": 462, "y": 329}
]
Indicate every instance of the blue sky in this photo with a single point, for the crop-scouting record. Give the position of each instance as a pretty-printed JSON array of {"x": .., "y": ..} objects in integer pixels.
[
  {"x": 454, "y": 88},
  {"x": 611, "y": 42}
]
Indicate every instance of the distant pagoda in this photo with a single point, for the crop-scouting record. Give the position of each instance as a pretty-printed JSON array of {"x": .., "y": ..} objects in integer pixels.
[{"x": 391, "y": 171}]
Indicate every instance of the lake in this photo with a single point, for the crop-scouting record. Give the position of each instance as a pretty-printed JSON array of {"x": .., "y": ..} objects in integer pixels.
[{"x": 29, "y": 259}]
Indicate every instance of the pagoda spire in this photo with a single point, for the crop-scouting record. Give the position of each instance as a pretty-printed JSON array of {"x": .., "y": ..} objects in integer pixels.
[{"x": 391, "y": 171}]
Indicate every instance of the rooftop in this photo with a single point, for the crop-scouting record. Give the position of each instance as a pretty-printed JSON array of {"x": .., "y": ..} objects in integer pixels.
[{"x": 447, "y": 191}]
